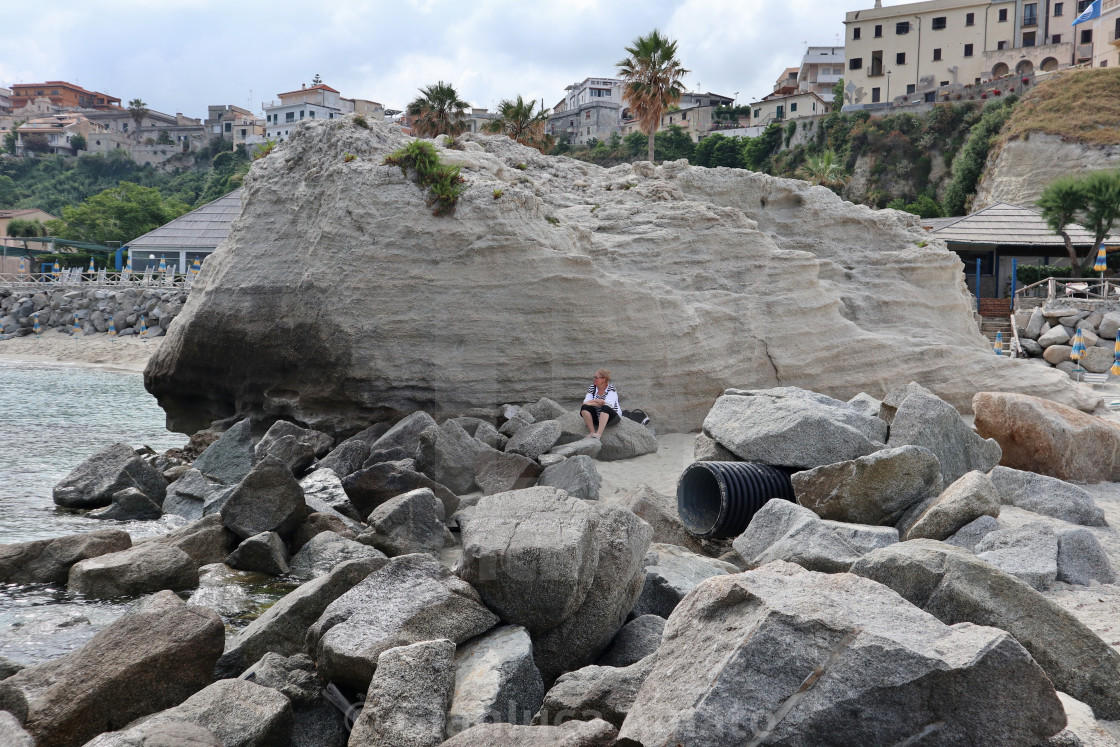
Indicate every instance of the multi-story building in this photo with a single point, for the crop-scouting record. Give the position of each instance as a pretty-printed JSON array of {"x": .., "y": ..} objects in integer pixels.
[
  {"x": 319, "y": 101},
  {"x": 232, "y": 123},
  {"x": 782, "y": 108},
  {"x": 53, "y": 133},
  {"x": 1106, "y": 31},
  {"x": 590, "y": 110},
  {"x": 931, "y": 50},
  {"x": 187, "y": 133},
  {"x": 821, "y": 69},
  {"x": 695, "y": 114},
  {"x": 61, "y": 94},
  {"x": 5, "y": 100}
]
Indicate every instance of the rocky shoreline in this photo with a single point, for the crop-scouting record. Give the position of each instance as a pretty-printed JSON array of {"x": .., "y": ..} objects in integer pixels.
[{"x": 469, "y": 579}]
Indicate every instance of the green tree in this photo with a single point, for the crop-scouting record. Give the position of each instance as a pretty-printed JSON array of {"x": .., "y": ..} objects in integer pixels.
[
  {"x": 1093, "y": 200},
  {"x": 838, "y": 95},
  {"x": 438, "y": 110},
  {"x": 21, "y": 228},
  {"x": 137, "y": 109},
  {"x": 7, "y": 191},
  {"x": 120, "y": 213},
  {"x": 969, "y": 164},
  {"x": 671, "y": 144},
  {"x": 77, "y": 143},
  {"x": 823, "y": 169},
  {"x": 10, "y": 137},
  {"x": 703, "y": 152},
  {"x": 652, "y": 80},
  {"x": 164, "y": 138},
  {"x": 36, "y": 142},
  {"x": 758, "y": 150},
  {"x": 519, "y": 119}
]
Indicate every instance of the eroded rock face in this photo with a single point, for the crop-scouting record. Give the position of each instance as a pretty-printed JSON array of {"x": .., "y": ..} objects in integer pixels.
[{"x": 402, "y": 332}]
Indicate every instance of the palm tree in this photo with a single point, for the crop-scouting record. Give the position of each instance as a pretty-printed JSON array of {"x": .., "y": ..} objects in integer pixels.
[
  {"x": 519, "y": 120},
  {"x": 438, "y": 111},
  {"x": 652, "y": 79},
  {"x": 137, "y": 109},
  {"x": 823, "y": 169}
]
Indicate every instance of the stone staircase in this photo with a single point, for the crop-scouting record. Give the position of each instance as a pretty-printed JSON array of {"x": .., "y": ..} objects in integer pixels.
[{"x": 995, "y": 314}]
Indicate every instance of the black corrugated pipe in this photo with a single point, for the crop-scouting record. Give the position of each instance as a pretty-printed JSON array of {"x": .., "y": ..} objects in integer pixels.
[{"x": 718, "y": 499}]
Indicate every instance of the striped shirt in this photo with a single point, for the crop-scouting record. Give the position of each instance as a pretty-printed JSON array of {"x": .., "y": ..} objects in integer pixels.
[{"x": 610, "y": 397}]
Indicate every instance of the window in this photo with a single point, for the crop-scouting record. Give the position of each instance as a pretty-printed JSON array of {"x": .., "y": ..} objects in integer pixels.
[
  {"x": 793, "y": 106},
  {"x": 1058, "y": 9},
  {"x": 124, "y": 126},
  {"x": 289, "y": 117},
  {"x": 587, "y": 115},
  {"x": 1056, "y": 39},
  {"x": 938, "y": 23},
  {"x": 242, "y": 133},
  {"x": 1002, "y": 15},
  {"x": 855, "y": 32},
  {"x": 878, "y": 30},
  {"x": 1082, "y": 5},
  {"x": 1028, "y": 38},
  {"x": 229, "y": 127},
  {"x": 757, "y": 113},
  {"x": 910, "y": 88},
  {"x": 301, "y": 115},
  {"x": 943, "y": 83},
  {"x": 313, "y": 114},
  {"x": 874, "y": 95},
  {"x": 967, "y": 50},
  {"x": 1001, "y": 45},
  {"x": 1030, "y": 14},
  {"x": 856, "y": 63},
  {"x": 969, "y": 19},
  {"x": 1087, "y": 36},
  {"x": 936, "y": 54},
  {"x": 900, "y": 58},
  {"x": 902, "y": 27}
]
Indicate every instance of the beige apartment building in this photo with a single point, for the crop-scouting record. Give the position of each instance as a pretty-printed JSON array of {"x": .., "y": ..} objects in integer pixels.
[{"x": 930, "y": 51}]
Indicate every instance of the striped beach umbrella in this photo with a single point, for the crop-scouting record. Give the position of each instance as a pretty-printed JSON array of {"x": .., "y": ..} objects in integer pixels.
[
  {"x": 1078, "y": 351},
  {"x": 57, "y": 270},
  {"x": 77, "y": 324},
  {"x": 143, "y": 325},
  {"x": 35, "y": 324},
  {"x": 92, "y": 267},
  {"x": 162, "y": 264},
  {"x": 997, "y": 346},
  {"x": 196, "y": 267},
  {"x": 1102, "y": 260},
  {"x": 1115, "y": 370},
  {"x": 22, "y": 266},
  {"x": 112, "y": 329},
  {"x": 128, "y": 264}
]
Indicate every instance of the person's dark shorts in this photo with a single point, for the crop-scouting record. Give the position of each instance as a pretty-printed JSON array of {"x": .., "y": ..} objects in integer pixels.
[{"x": 612, "y": 416}]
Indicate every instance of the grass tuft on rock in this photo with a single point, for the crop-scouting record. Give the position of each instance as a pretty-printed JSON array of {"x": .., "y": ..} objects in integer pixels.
[{"x": 444, "y": 183}]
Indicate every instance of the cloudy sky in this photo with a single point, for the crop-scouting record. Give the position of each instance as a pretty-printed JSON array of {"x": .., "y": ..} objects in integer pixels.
[{"x": 181, "y": 56}]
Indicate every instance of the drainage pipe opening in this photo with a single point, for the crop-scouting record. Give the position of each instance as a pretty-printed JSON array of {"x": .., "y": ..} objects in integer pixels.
[{"x": 716, "y": 500}]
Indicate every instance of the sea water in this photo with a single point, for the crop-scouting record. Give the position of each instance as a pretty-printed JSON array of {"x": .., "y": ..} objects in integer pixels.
[{"x": 52, "y": 417}]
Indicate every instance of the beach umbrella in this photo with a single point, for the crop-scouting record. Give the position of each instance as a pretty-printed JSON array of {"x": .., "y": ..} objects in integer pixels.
[
  {"x": 112, "y": 329},
  {"x": 162, "y": 264},
  {"x": 1115, "y": 370},
  {"x": 128, "y": 264},
  {"x": 997, "y": 346},
  {"x": 57, "y": 270},
  {"x": 143, "y": 325},
  {"x": 22, "y": 266},
  {"x": 1078, "y": 351},
  {"x": 35, "y": 324},
  {"x": 1102, "y": 261},
  {"x": 92, "y": 267},
  {"x": 196, "y": 267},
  {"x": 77, "y": 325}
]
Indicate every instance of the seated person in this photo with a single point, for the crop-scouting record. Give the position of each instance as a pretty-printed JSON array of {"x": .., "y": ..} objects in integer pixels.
[{"x": 600, "y": 405}]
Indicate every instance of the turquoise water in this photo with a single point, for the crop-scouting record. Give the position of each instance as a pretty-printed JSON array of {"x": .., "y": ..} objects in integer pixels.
[{"x": 51, "y": 418}]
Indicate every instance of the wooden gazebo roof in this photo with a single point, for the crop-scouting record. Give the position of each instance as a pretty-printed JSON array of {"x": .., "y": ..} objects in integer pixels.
[{"x": 1004, "y": 224}]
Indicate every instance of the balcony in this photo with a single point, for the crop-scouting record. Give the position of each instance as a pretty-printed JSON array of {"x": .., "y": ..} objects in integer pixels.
[
  {"x": 1030, "y": 21},
  {"x": 828, "y": 79},
  {"x": 1114, "y": 38}
]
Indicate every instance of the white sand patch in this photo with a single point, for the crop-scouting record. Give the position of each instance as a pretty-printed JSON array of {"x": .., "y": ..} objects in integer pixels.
[{"x": 129, "y": 353}]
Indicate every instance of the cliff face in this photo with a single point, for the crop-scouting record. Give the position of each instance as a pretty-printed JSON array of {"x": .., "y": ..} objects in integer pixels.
[
  {"x": 338, "y": 298},
  {"x": 1023, "y": 168}
]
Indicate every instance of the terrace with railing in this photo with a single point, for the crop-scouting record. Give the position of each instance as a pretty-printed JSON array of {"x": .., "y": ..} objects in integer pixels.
[{"x": 149, "y": 278}]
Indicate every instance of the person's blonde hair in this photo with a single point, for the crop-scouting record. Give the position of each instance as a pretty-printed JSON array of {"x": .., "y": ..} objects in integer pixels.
[{"x": 605, "y": 373}]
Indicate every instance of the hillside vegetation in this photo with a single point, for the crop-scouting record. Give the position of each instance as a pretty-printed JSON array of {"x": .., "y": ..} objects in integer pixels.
[{"x": 1081, "y": 106}]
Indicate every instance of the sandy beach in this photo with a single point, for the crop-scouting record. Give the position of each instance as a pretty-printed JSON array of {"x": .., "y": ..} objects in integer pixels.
[{"x": 128, "y": 353}]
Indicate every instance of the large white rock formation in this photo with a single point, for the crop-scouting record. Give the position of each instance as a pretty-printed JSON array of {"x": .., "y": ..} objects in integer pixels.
[{"x": 339, "y": 298}]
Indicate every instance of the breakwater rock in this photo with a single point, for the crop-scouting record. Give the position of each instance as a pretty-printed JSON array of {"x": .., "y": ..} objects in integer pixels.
[
  {"x": 94, "y": 308},
  {"x": 339, "y": 299}
]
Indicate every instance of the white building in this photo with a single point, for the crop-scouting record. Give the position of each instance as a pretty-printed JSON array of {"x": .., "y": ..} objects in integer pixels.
[
  {"x": 821, "y": 69},
  {"x": 590, "y": 110},
  {"x": 314, "y": 102}
]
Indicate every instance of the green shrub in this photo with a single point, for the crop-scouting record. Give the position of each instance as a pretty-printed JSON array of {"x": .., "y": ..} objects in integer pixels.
[
  {"x": 1027, "y": 274},
  {"x": 444, "y": 183},
  {"x": 361, "y": 121}
]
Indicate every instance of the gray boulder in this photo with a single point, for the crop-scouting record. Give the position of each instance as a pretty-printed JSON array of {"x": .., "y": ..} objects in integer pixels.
[
  {"x": 371, "y": 486},
  {"x": 638, "y": 639},
  {"x": 238, "y": 712},
  {"x": 489, "y": 435},
  {"x": 12, "y": 733},
  {"x": 229, "y": 459},
  {"x": 129, "y": 504},
  {"x": 292, "y": 675},
  {"x": 1109, "y": 324},
  {"x": 1055, "y": 336},
  {"x": 583, "y": 447},
  {"x": 327, "y": 550},
  {"x": 193, "y": 494},
  {"x": 317, "y": 523},
  {"x": 623, "y": 440},
  {"x": 873, "y": 489},
  {"x": 534, "y": 440},
  {"x": 496, "y": 680},
  {"x": 150, "y": 659},
  {"x": 672, "y": 572},
  {"x": 323, "y": 493},
  {"x": 597, "y": 733},
  {"x": 595, "y": 692},
  {"x": 1034, "y": 326},
  {"x": 141, "y": 569},
  {"x": 405, "y": 434},
  {"x": 791, "y": 427},
  {"x": 411, "y": 598},
  {"x": 956, "y": 586},
  {"x": 516, "y": 420},
  {"x": 447, "y": 454},
  {"x": 499, "y": 472},
  {"x": 866, "y": 404},
  {"x": 931, "y": 422},
  {"x": 93, "y": 483},
  {"x": 545, "y": 409},
  {"x": 290, "y": 451},
  {"x": 707, "y": 449},
  {"x": 282, "y": 627},
  {"x": 970, "y": 534},
  {"x": 1029, "y": 553},
  {"x": 221, "y": 589},
  {"x": 1046, "y": 495},
  {"x": 206, "y": 540},
  {"x": 49, "y": 561},
  {"x": 262, "y": 553},
  {"x": 864, "y": 667},
  {"x": 319, "y": 442},
  {"x": 1081, "y": 559},
  {"x": 412, "y": 522},
  {"x": 967, "y": 499},
  {"x": 268, "y": 500},
  {"x": 8, "y": 667},
  {"x": 897, "y": 396},
  {"x": 155, "y": 732},
  {"x": 1030, "y": 347},
  {"x": 346, "y": 458},
  {"x": 408, "y": 698},
  {"x": 660, "y": 512},
  {"x": 863, "y": 537},
  {"x": 576, "y": 476},
  {"x": 783, "y": 530}
]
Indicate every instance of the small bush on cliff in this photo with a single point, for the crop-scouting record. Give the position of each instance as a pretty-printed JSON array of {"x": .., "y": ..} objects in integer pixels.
[{"x": 444, "y": 183}]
